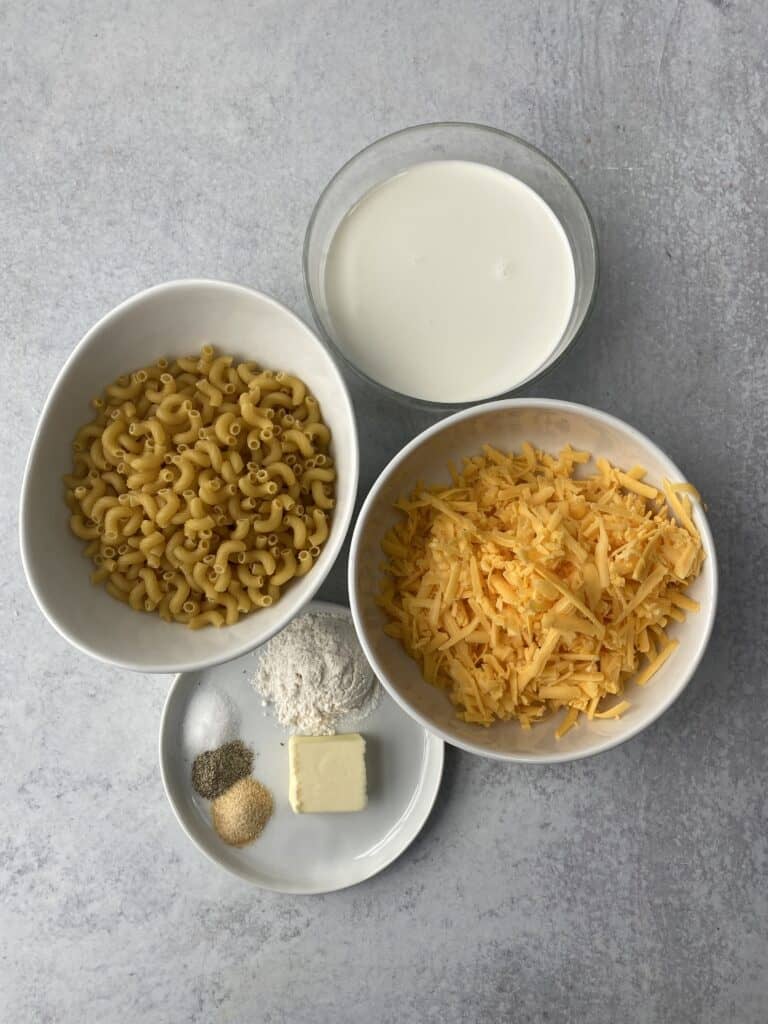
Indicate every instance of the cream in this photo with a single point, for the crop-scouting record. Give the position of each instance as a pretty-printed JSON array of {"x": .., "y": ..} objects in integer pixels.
[{"x": 451, "y": 282}]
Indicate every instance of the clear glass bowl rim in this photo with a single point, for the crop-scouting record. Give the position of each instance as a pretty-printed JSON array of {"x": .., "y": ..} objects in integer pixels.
[{"x": 400, "y": 396}]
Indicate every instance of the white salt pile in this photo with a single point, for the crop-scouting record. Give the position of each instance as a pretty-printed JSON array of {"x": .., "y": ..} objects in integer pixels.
[{"x": 211, "y": 720}]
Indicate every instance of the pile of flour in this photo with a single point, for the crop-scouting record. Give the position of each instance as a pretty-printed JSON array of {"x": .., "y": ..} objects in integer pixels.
[{"x": 314, "y": 674}]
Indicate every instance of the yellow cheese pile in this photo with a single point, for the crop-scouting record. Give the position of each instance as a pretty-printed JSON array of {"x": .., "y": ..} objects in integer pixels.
[{"x": 522, "y": 590}]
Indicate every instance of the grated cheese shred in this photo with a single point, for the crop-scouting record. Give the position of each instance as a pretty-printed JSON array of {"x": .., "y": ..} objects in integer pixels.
[{"x": 524, "y": 589}]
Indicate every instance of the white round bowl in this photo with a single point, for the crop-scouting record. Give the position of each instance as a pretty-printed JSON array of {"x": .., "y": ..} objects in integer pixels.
[
  {"x": 549, "y": 425},
  {"x": 168, "y": 320}
]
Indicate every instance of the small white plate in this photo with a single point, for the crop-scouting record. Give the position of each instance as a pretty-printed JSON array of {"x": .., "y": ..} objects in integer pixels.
[{"x": 305, "y": 853}]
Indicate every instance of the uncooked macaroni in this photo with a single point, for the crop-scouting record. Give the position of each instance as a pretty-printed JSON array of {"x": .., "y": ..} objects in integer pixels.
[{"x": 202, "y": 487}]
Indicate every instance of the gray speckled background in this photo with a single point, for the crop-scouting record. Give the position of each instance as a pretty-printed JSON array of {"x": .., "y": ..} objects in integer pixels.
[{"x": 143, "y": 141}]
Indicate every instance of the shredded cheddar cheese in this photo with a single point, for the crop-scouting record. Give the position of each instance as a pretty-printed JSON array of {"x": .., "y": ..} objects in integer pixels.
[{"x": 522, "y": 589}]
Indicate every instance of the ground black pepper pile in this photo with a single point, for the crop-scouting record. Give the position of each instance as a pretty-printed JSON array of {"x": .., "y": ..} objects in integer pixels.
[{"x": 214, "y": 771}]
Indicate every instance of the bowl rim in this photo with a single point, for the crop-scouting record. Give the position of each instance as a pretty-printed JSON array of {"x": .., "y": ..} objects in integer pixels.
[
  {"x": 401, "y": 396},
  {"x": 313, "y": 581},
  {"x": 163, "y": 756},
  {"x": 603, "y": 744}
]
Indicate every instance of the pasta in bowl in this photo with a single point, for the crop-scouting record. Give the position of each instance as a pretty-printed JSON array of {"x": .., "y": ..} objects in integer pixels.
[
  {"x": 211, "y": 490},
  {"x": 202, "y": 487}
]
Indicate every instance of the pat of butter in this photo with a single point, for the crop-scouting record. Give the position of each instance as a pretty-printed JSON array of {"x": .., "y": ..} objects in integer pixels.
[{"x": 327, "y": 773}]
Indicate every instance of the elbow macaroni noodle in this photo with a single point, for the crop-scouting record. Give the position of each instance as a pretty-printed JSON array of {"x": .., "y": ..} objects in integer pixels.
[{"x": 202, "y": 487}]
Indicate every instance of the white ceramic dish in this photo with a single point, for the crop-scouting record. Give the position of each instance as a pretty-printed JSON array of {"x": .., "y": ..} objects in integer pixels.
[
  {"x": 506, "y": 424},
  {"x": 308, "y": 853},
  {"x": 168, "y": 320}
]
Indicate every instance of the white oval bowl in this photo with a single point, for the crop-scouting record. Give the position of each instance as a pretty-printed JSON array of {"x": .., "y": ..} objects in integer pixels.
[
  {"x": 549, "y": 425},
  {"x": 169, "y": 320}
]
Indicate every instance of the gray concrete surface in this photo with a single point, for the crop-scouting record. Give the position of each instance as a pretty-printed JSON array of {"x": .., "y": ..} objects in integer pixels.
[{"x": 141, "y": 142}]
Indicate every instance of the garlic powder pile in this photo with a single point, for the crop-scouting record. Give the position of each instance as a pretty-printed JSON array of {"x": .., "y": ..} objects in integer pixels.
[{"x": 314, "y": 674}]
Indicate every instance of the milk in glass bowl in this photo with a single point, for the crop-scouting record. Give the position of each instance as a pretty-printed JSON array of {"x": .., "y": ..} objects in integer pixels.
[{"x": 450, "y": 263}]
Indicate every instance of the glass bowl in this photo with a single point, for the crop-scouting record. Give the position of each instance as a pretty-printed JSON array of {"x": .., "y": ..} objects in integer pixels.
[{"x": 395, "y": 153}]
